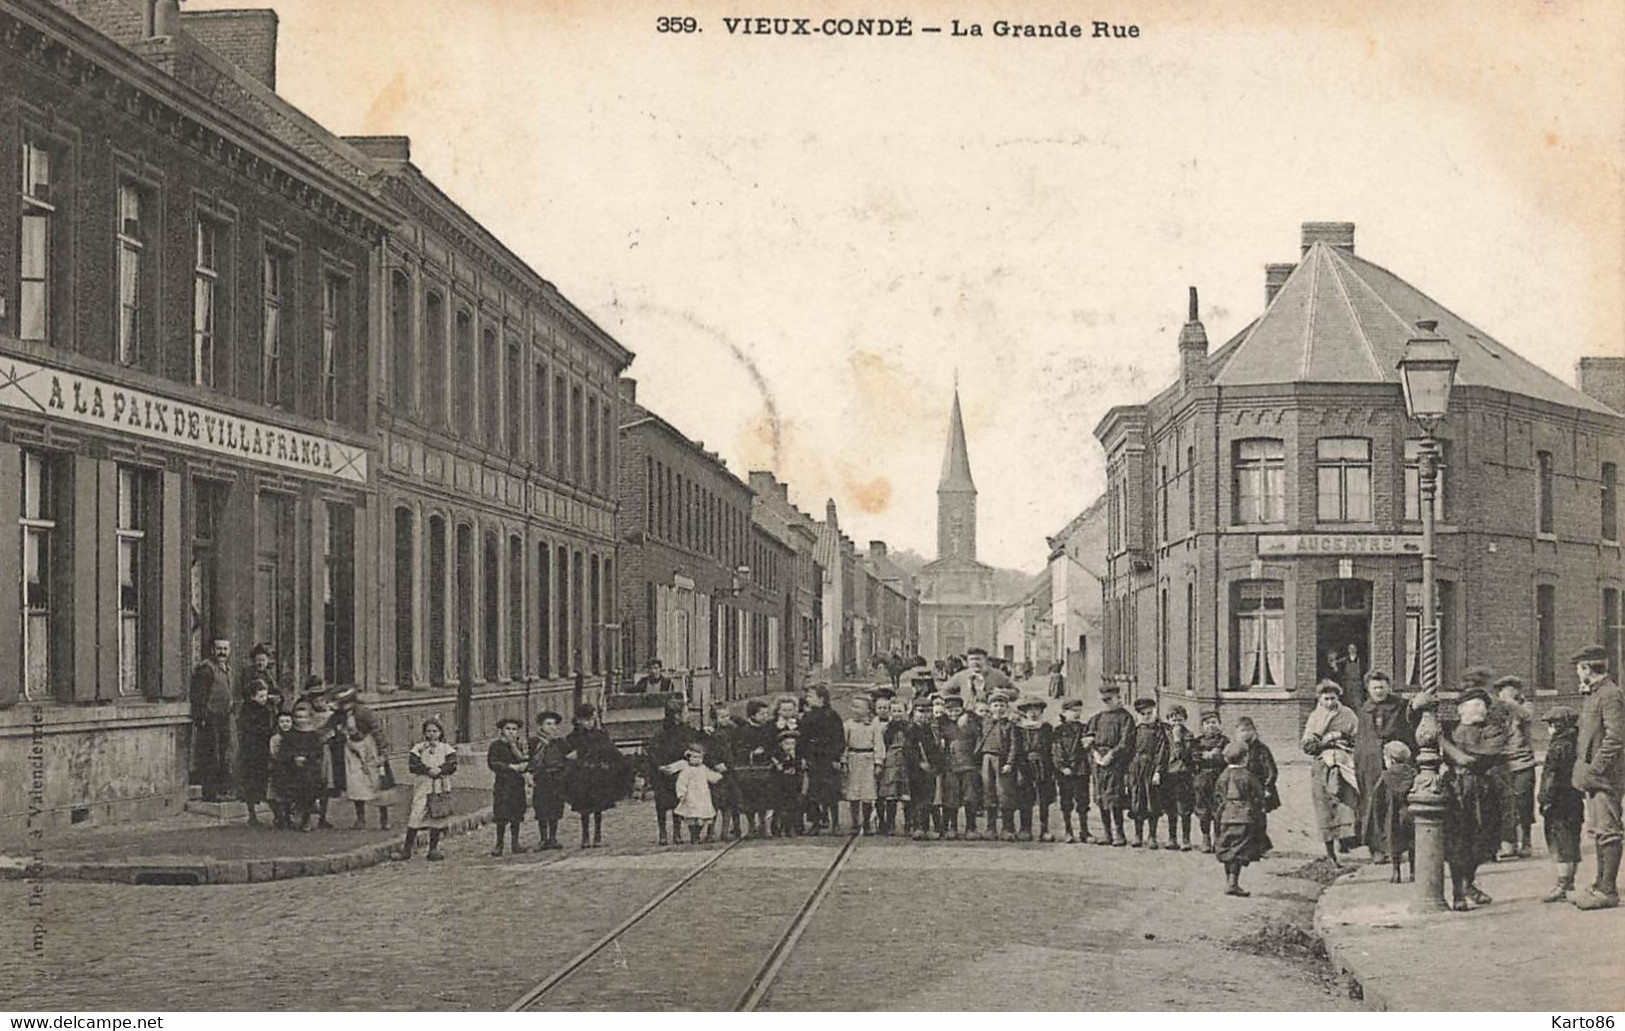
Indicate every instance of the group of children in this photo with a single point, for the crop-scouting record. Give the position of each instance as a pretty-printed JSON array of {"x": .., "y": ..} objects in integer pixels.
[{"x": 784, "y": 770}]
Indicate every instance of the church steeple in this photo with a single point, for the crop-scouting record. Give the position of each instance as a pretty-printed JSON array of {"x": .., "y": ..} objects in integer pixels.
[{"x": 956, "y": 494}]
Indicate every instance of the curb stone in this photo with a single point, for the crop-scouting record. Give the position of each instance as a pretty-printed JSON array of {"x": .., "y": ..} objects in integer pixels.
[
  {"x": 227, "y": 871},
  {"x": 1372, "y": 994}
]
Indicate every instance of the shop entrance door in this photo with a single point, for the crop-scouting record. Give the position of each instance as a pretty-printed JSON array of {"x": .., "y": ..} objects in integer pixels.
[{"x": 1343, "y": 637}]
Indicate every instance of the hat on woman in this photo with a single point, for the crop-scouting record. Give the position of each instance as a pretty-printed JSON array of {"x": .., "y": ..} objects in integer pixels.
[
  {"x": 348, "y": 694},
  {"x": 259, "y": 649},
  {"x": 1072, "y": 705},
  {"x": 586, "y": 711},
  {"x": 314, "y": 685},
  {"x": 1326, "y": 687},
  {"x": 507, "y": 721},
  {"x": 1176, "y": 710}
]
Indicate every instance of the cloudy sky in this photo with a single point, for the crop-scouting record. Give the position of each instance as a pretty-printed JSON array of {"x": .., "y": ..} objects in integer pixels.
[{"x": 803, "y": 238}]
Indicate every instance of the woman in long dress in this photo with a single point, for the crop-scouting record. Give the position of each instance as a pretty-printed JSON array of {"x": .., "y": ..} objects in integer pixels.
[
  {"x": 364, "y": 753},
  {"x": 1328, "y": 736},
  {"x": 865, "y": 751}
]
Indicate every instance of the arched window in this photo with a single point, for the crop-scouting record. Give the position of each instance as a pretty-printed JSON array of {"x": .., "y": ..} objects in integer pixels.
[{"x": 400, "y": 334}]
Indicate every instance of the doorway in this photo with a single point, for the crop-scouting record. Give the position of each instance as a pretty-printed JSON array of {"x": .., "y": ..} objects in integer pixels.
[{"x": 1343, "y": 636}]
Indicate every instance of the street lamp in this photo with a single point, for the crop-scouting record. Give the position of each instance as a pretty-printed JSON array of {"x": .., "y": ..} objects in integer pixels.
[{"x": 1427, "y": 372}]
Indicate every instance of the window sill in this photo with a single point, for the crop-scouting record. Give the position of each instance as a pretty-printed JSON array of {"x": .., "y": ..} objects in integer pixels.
[
  {"x": 1258, "y": 528},
  {"x": 1610, "y": 544},
  {"x": 1365, "y": 526},
  {"x": 1550, "y": 538},
  {"x": 1258, "y": 695}
]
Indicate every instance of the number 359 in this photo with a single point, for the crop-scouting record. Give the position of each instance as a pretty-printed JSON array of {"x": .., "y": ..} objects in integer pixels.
[{"x": 676, "y": 25}]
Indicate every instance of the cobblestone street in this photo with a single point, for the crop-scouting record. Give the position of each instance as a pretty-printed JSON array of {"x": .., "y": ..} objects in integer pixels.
[{"x": 1059, "y": 927}]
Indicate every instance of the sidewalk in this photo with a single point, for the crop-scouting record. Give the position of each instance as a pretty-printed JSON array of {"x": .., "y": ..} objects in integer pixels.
[
  {"x": 1515, "y": 954},
  {"x": 192, "y": 849}
]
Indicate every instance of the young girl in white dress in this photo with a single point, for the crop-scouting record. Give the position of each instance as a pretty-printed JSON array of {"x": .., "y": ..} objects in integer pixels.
[
  {"x": 694, "y": 780},
  {"x": 432, "y": 761}
]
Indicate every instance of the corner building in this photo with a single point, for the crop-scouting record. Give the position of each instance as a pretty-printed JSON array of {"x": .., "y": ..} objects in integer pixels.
[
  {"x": 185, "y": 446},
  {"x": 1263, "y": 510}
]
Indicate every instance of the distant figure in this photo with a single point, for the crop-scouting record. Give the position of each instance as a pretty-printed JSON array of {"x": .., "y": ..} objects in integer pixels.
[
  {"x": 1057, "y": 679},
  {"x": 653, "y": 681},
  {"x": 214, "y": 709}
]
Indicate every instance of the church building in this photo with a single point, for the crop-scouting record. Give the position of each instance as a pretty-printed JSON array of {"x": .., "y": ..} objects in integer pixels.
[{"x": 958, "y": 609}]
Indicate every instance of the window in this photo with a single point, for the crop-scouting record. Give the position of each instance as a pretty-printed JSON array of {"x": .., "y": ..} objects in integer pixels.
[
  {"x": 338, "y": 596},
  {"x": 576, "y": 440},
  {"x": 561, "y": 436},
  {"x": 516, "y": 608},
  {"x": 1343, "y": 473},
  {"x": 335, "y": 349},
  {"x": 1258, "y": 634},
  {"x": 203, "y": 578},
  {"x": 1260, "y": 470},
  {"x": 491, "y": 616},
  {"x": 1190, "y": 489},
  {"x": 490, "y": 390},
  {"x": 544, "y": 611},
  {"x": 1610, "y": 507},
  {"x": 577, "y": 611},
  {"x": 604, "y": 451},
  {"x": 1413, "y": 481},
  {"x": 205, "y": 298},
  {"x": 1613, "y": 633},
  {"x": 1444, "y": 624},
  {"x": 1543, "y": 464},
  {"x": 37, "y": 272},
  {"x": 1546, "y": 637},
  {"x": 137, "y": 575},
  {"x": 1162, "y": 637},
  {"x": 405, "y": 593},
  {"x": 648, "y": 492},
  {"x": 772, "y": 643},
  {"x": 131, "y": 274},
  {"x": 437, "y": 600},
  {"x": 514, "y": 394},
  {"x": 593, "y": 469},
  {"x": 561, "y": 574},
  {"x": 43, "y": 482},
  {"x": 1163, "y": 499},
  {"x": 1190, "y": 637},
  {"x": 275, "y": 283},
  {"x": 400, "y": 338},
  {"x": 596, "y": 615},
  {"x": 435, "y": 379},
  {"x": 275, "y": 574},
  {"x": 539, "y": 415},
  {"x": 462, "y": 395}
]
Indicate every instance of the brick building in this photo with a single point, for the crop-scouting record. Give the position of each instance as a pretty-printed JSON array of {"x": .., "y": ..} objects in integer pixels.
[
  {"x": 1077, "y": 562},
  {"x": 1262, "y": 511},
  {"x": 497, "y": 410},
  {"x": 702, "y": 587},
  {"x": 838, "y": 558},
  {"x": 771, "y": 507},
  {"x": 185, "y": 448}
]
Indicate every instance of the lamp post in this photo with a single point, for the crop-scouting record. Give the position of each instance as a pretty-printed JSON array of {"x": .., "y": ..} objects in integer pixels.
[{"x": 1427, "y": 372}]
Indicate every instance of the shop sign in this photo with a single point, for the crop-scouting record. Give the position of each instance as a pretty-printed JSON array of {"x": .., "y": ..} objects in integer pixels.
[
  {"x": 1338, "y": 544},
  {"x": 108, "y": 406}
]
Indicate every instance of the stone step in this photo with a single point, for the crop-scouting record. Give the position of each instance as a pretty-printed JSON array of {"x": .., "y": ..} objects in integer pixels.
[{"x": 218, "y": 810}]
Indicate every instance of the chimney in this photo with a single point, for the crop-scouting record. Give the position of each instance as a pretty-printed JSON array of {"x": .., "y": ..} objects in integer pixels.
[
  {"x": 1193, "y": 371},
  {"x": 163, "y": 18},
  {"x": 877, "y": 549},
  {"x": 1275, "y": 277},
  {"x": 384, "y": 148},
  {"x": 1332, "y": 234},
  {"x": 1603, "y": 379},
  {"x": 246, "y": 38},
  {"x": 829, "y": 514},
  {"x": 627, "y": 387}
]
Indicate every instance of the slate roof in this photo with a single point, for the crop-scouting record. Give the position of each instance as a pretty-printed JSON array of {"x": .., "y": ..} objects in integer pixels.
[
  {"x": 1342, "y": 319},
  {"x": 956, "y": 459}
]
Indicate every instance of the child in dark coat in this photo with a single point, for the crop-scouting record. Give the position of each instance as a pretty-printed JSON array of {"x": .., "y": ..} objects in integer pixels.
[
  {"x": 668, "y": 747},
  {"x": 923, "y": 759},
  {"x": 299, "y": 760},
  {"x": 508, "y": 763},
  {"x": 597, "y": 777},
  {"x": 1069, "y": 758},
  {"x": 1239, "y": 811},
  {"x": 1110, "y": 736},
  {"x": 1035, "y": 780},
  {"x": 1391, "y": 804},
  {"x": 256, "y": 722},
  {"x": 789, "y": 787},
  {"x": 1209, "y": 751},
  {"x": 1562, "y": 806},
  {"x": 548, "y": 752},
  {"x": 1147, "y": 763},
  {"x": 1178, "y": 791}
]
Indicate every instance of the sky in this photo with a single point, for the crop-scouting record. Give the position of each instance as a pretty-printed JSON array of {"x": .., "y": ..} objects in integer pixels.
[{"x": 804, "y": 240}]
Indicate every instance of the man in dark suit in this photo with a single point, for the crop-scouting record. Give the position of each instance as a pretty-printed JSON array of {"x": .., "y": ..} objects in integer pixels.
[
  {"x": 654, "y": 681},
  {"x": 214, "y": 708},
  {"x": 1599, "y": 771}
]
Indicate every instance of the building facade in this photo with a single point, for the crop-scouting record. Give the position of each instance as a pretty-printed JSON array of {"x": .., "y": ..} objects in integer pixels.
[
  {"x": 1077, "y": 561},
  {"x": 838, "y": 559},
  {"x": 1263, "y": 511},
  {"x": 771, "y": 507},
  {"x": 703, "y": 588},
  {"x": 958, "y": 609},
  {"x": 497, "y": 414},
  {"x": 185, "y": 442}
]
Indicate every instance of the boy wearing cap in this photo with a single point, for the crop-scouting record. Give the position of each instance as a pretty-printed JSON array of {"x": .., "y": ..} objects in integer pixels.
[
  {"x": 719, "y": 755},
  {"x": 822, "y": 742},
  {"x": 961, "y": 784},
  {"x": 1472, "y": 823},
  {"x": 1562, "y": 806},
  {"x": 1599, "y": 771},
  {"x": 1148, "y": 761},
  {"x": 1390, "y": 806},
  {"x": 1261, "y": 761},
  {"x": 923, "y": 757},
  {"x": 1035, "y": 780},
  {"x": 1239, "y": 803},
  {"x": 996, "y": 751},
  {"x": 548, "y": 758},
  {"x": 1177, "y": 792},
  {"x": 1069, "y": 758},
  {"x": 789, "y": 786},
  {"x": 507, "y": 760},
  {"x": 1208, "y": 758},
  {"x": 1110, "y": 734},
  {"x": 1516, "y": 776}
]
